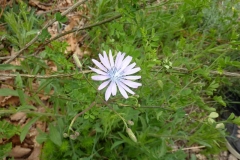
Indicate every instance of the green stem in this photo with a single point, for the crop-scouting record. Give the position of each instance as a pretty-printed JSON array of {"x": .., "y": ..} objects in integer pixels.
[{"x": 79, "y": 114}]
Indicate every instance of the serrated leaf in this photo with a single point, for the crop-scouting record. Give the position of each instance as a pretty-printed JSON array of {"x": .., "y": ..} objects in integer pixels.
[
  {"x": 60, "y": 18},
  {"x": 5, "y": 149},
  {"x": 44, "y": 35},
  {"x": 26, "y": 128},
  {"x": 42, "y": 137},
  {"x": 43, "y": 85},
  {"x": 8, "y": 92},
  {"x": 126, "y": 139},
  {"x": 19, "y": 84},
  {"x": 55, "y": 135},
  {"x": 32, "y": 32},
  {"x": 219, "y": 100},
  {"x": 115, "y": 144}
]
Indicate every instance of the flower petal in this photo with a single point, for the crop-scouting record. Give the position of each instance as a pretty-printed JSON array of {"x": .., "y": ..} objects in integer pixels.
[
  {"x": 132, "y": 71},
  {"x": 125, "y": 63},
  {"x": 108, "y": 92},
  {"x": 111, "y": 59},
  {"x": 132, "y": 77},
  {"x": 105, "y": 61},
  {"x": 129, "y": 67},
  {"x": 122, "y": 91},
  {"x": 103, "y": 85},
  {"x": 98, "y": 71},
  {"x": 125, "y": 88},
  {"x": 114, "y": 89},
  {"x": 99, "y": 65},
  {"x": 120, "y": 60},
  {"x": 131, "y": 83},
  {"x": 100, "y": 78},
  {"x": 117, "y": 58}
]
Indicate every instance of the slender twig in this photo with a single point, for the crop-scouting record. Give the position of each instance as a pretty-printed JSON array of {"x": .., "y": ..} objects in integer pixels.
[
  {"x": 46, "y": 26},
  {"x": 59, "y": 9},
  {"x": 189, "y": 148},
  {"x": 86, "y": 27},
  {"x": 7, "y": 111},
  {"x": 7, "y": 75},
  {"x": 224, "y": 73}
]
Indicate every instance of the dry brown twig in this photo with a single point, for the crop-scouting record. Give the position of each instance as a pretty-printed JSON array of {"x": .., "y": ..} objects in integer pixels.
[
  {"x": 189, "y": 148},
  {"x": 224, "y": 73},
  {"x": 9, "y": 75}
]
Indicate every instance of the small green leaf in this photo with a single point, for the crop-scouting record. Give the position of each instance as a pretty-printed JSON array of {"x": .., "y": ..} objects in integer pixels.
[
  {"x": 219, "y": 100},
  {"x": 26, "y": 107},
  {"x": 32, "y": 32},
  {"x": 8, "y": 92},
  {"x": 160, "y": 83},
  {"x": 220, "y": 126},
  {"x": 211, "y": 121},
  {"x": 163, "y": 149},
  {"x": 43, "y": 85},
  {"x": 213, "y": 115},
  {"x": 26, "y": 128},
  {"x": 231, "y": 116},
  {"x": 237, "y": 121},
  {"x": 55, "y": 135},
  {"x": 186, "y": 92},
  {"x": 60, "y": 18},
  {"x": 159, "y": 115},
  {"x": 115, "y": 144}
]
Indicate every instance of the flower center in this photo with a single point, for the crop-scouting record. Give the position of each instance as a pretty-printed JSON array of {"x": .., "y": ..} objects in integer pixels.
[{"x": 114, "y": 74}]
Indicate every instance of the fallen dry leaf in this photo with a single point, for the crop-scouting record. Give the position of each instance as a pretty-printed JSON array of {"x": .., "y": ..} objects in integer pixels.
[
  {"x": 17, "y": 116},
  {"x": 35, "y": 154},
  {"x": 16, "y": 140},
  {"x": 9, "y": 100},
  {"x": 18, "y": 152},
  {"x": 40, "y": 5}
]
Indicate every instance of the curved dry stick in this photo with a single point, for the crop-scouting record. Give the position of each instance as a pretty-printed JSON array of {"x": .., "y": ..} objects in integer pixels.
[{"x": 77, "y": 29}]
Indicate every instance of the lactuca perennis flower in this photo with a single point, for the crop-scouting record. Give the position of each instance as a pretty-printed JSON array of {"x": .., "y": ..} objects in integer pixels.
[{"x": 116, "y": 74}]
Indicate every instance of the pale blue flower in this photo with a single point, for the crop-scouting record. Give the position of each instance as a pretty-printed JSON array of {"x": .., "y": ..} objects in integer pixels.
[{"x": 116, "y": 74}]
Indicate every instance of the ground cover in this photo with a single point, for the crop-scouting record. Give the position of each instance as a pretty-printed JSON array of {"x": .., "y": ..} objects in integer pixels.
[{"x": 50, "y": 108}]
